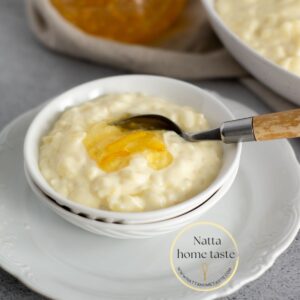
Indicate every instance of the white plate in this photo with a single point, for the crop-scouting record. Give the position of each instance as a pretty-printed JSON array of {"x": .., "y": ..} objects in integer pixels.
[{"x": 61, "y": 261}]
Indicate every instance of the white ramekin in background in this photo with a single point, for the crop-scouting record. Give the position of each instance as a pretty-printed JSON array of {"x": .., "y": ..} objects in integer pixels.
[{"x": 275, "y": 77}]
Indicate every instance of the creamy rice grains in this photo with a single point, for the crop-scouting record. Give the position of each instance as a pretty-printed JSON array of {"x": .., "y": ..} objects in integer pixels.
[{"x": 89, "y": 161}]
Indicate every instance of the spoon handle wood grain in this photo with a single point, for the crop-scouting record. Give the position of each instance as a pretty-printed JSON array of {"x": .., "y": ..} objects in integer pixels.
[{"x": 277, "y": 125}]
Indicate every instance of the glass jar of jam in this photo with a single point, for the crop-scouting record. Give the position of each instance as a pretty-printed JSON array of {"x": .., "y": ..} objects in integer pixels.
[{"x": 130, "y": 21}]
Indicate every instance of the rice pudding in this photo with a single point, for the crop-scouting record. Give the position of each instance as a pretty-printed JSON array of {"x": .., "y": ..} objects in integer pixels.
[
  {"x": 92, "y": 162},
  {"x": 271, "y": 27}
]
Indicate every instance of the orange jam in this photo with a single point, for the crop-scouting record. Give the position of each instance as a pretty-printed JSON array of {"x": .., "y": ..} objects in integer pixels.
[
  {"x": 112, "y": 147},
  {"x": 131, "y": 21}
]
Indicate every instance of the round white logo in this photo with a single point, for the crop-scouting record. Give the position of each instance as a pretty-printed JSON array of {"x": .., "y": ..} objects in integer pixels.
[{"x": 204, "y": 256}]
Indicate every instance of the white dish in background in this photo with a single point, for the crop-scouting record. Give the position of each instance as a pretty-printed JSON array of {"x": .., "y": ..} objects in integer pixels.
[
  {"x": 131, "y": 231},
  {"x": 272, "y": 75},
  {"x": 172, "y": 90},
  {"x": 61, "y": 261}
]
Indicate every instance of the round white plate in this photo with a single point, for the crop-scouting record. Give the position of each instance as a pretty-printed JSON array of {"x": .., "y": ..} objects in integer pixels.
[{"x": 61, "y": 261}]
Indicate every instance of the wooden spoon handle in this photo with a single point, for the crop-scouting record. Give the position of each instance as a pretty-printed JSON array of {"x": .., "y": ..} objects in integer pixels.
[{"x": 277, "y": 125}]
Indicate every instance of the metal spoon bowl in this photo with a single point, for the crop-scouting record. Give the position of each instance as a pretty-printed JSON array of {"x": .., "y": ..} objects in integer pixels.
[{"x": 158, "y": 122}]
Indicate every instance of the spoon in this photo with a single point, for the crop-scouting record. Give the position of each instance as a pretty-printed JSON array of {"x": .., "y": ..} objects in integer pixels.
[{"x": 265, "y": 127}]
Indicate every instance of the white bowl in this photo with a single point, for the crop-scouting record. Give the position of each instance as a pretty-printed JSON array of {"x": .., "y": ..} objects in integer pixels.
[
  {"x": 130, "y": 231},
  {"x": 172, "y": 90},
  {"x": 275, "y": 77}
]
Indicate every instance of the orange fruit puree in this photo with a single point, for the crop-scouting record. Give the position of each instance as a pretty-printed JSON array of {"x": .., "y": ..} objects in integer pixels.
[{"x": 112, "y": 147}]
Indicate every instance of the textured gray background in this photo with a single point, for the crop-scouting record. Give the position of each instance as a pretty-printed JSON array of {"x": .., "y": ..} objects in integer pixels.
[{"x": 30, "y": 74}]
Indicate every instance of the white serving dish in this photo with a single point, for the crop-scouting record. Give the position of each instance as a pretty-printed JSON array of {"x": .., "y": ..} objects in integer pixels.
[
  {"x": 61, "y": 261},
  {"x": 130, "y": 231},
  {"x": 172, "y": 90},
  {"x": 272, "y": 75}
]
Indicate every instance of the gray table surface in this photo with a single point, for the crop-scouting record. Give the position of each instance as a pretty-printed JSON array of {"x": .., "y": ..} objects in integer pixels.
[{"x": 30, "y": 74}]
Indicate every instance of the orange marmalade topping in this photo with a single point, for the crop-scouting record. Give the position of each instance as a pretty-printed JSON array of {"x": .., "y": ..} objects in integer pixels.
[
  {"x": 133, "y": 21},
  {"x": 112, "y": 147}
]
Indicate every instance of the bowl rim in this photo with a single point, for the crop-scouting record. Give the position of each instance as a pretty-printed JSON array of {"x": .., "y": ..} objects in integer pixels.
[
  {"x": 206, "y": 205},
  {"x": 209, "y": 6},
  {"x": 40, "y": 181}
]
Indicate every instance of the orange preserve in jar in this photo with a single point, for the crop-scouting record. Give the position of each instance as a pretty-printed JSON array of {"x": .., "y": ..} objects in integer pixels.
[{"x": 131, "y": 21}]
